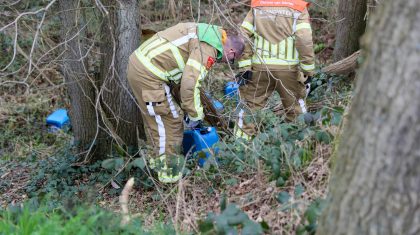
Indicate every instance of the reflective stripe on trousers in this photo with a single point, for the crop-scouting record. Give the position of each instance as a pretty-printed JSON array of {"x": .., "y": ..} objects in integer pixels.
[
  {"x": 161, "y": 128},
  {"x": 239, "y": 133},
  {"x": 171, "y": 101},
  {"x": 302, "y": 105}
]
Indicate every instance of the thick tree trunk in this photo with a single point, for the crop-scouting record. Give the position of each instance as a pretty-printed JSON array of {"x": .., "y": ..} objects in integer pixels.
[
  {"x": 375, "y": 187},
  {"x": 121, "y": 36},
  {"x": 350, "y": 27},
  {"x": 80, "y": 87}
]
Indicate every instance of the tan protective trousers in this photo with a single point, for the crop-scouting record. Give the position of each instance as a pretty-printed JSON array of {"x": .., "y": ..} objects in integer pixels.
[
  {"x": 254, "y": 96},
  {"x": 162, "y": 117}
]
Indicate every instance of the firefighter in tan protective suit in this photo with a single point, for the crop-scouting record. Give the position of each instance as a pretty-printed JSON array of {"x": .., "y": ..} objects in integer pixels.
[
  {"x": 182, "y": 54},
  {"x": 279, "y": 51}
]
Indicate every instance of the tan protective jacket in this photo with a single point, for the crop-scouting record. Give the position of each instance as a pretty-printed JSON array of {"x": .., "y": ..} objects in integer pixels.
[
  {"x": 176, "y": 55},
  {"x": 279, "y": 38}
]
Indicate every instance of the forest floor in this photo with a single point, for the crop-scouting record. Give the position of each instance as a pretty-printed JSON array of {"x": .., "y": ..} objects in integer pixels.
[
  {"x": 280, "y": 179},
  {"x": 30, "y": 154}
]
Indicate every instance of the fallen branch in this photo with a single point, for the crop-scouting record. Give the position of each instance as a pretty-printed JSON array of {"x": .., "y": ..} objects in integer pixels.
[{"x": 344, "y": 66}]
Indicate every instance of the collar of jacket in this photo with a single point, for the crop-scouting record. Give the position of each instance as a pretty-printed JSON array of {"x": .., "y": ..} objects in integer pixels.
[{"x": 212, "y": 35}]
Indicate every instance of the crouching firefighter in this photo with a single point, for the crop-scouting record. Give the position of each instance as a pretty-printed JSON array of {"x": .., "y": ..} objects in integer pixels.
[
  {"x": 278, "y": 57},
  {"x": 182, "y": 54}
]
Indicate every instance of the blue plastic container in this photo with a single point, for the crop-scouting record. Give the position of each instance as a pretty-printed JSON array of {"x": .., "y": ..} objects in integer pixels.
[
  {"x": 231, "y": 89},
  {"x": 217, "y": 104},
  {"x": 200, "y": 140},
  {"x": 58, "y": 118}
]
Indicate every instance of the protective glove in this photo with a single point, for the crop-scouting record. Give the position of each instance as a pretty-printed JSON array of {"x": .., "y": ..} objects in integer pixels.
[
  {"x": 243, "y": 78},
  {"x": 191, "y": 124},
  {"x": 308, "y": 84}
]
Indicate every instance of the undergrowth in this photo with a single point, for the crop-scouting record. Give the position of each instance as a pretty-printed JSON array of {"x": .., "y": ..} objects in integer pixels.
[
  {"x": 32, "y": 218},
  {"x": 286, "y": 155}
]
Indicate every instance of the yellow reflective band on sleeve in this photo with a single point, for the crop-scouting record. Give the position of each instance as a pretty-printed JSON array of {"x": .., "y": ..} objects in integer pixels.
[
  {"x": 175, "y": 71},
  {"x": 303, "y": 26},
  {"x": 197, "y": 100},
  {"x": 153, "y": 69},
  {"x": 248, "y": 26},
  {"x": 244, "y": 63},
  {"x": 307, "y": 67},
  {"x": 197, "y": 65}
]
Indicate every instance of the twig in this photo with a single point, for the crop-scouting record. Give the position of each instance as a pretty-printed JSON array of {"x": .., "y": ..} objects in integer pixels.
[{"x": 125, "y": 194}]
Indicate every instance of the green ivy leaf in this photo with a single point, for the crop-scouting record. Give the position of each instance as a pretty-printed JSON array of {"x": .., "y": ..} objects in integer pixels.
[
  {"x": 265, "y": 226},
  {"x": 336, "y": 119},
  {"x": 280, "y": 182},
  {"x": 283, "y": 197},
  {"x": 205, "y": 226},
  {"x": 300, "y": 230},
  {"x": 108, "y": 164},
  {"x": 323, "y": 136},
  {"x": 299, "y": 190},
  {"x": 311, "y": 215},
  {"x": 251, "y": 228},
  {"x": 119, "y": 162},
  {"x": 231, "y": 181},
  {"x": 223, "y": 202},
  {"x": 139, "y": 163}
]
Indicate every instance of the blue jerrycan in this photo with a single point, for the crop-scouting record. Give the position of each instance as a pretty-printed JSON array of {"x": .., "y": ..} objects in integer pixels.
[
  {"x": 58, "y": 119},
  {"x": 217, "y": 104},
  {"x": 200, "y": 140},
  {"x": 231, "y": 89}
]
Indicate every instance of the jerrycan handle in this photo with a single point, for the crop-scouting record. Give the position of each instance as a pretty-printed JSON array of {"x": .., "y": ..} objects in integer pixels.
[{"x": 205, "y": 130}]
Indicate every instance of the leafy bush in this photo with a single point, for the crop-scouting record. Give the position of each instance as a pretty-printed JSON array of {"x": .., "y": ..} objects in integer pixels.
[
  {"x": 61, "y": 180},
  {"x": 35, "y": 219},
  {"x": 230, "y": 221}
]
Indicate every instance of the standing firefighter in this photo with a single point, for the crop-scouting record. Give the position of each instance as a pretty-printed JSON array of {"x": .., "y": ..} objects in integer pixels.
[
  {"x": 279, "y": 50},
  {"x": 182, "y": 54}
]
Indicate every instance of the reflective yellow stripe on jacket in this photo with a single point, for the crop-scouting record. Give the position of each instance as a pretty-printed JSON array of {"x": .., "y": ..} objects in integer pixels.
[
  {"x": 303, "y": 26},
  {"x": 282, "y": 53},
  {"x": 248, "y": 26},
  {"x": 197, "y": 102},
  {"x": 156, "y": 46}
]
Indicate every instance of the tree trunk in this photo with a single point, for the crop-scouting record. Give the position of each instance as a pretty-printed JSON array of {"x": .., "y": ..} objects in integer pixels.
[
  {"x": 350, "y": 27},
  {"x": 121, "y": 36},
  {"x": 376, "y": 182},
  {"x": 80, "y": 87}
]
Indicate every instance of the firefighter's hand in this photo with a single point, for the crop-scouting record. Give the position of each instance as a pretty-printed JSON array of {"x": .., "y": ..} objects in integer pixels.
[
  {"x": 308, "y": 80},
  {"x": 191, "y": 124},
  {"x": 243, "y": 77}
]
